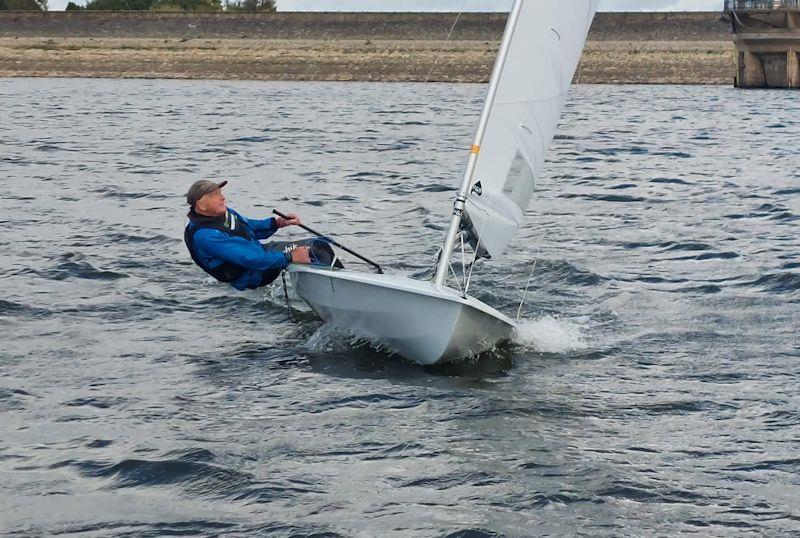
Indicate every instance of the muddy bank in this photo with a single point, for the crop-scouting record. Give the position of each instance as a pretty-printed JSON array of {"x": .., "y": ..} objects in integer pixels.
[{"x": 610, "y": 62}]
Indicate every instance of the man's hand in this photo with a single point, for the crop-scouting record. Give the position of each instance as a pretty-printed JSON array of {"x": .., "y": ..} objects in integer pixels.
[
  {"x": 301, "y": 255},
  {"x": 293, "y": 220}
]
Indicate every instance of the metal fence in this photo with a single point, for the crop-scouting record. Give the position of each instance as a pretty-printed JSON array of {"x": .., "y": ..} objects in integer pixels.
[{"x": 761, "y": 5}]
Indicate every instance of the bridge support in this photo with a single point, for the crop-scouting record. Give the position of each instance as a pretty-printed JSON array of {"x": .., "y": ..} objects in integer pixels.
[{"x": 767, "y": 39}]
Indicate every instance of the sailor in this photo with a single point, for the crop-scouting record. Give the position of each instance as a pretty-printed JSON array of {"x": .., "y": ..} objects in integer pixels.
[{"x": 226, "y": 245}]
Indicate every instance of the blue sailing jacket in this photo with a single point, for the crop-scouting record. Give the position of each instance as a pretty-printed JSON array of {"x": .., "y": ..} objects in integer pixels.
[{"x": 227, "y": 248}]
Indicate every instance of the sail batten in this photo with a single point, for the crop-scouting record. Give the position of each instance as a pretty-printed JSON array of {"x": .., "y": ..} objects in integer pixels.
[{"x": 541, "y": 52}]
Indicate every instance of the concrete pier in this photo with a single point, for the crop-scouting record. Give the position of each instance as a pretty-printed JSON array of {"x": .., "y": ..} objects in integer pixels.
[{"x": 767, "y": 40}]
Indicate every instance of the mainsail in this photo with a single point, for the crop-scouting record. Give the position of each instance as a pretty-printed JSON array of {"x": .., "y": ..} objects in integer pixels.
[{"x": 541, "y": 50}]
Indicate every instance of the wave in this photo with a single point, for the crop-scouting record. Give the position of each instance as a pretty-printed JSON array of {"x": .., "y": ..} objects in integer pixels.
[
  {"x": 130, "y": 238},
  {"x": 563, "y": 272},
  {"x": 362, "y": 401},
  {"x": 788, "y": 191},
  {"x": 10, "y": 308},
  {"x": 669, "y": 180},
  {"x": 620, "y": 198},
  {"x": 436, "y": 188},
  {"x": 197, "y": 475},
  {"x": 97, "y": 403},
  {"x": 687, "y": 245},
  {"x": 405, "y": 123},
  {"x": 681, "y": 407},
  {"x": 706, "y": 251},
  {"x": 117, "y": 194},
  {"x": 789, "y": 465},
  {"x": 452, "y": 480},
  {"x": 363, "y": 175},
  {"x": 14, "y": 400},
  {"x": 709, "y": 256},
  {"x": 70, "y": 268},
  {"x": 674, "y": 154},
  {"x": 251, "y": 139},
  {"x": 642, "y": 493},
  {"x": 702, "y": 288},
  {"x": 783, "y": 282},
  {"x": 472, "y": 533},
  {"x": 190, "y": 527}
]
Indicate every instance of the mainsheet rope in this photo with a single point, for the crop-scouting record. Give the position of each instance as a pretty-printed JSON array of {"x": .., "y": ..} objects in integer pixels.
[{"x": 289, "y": 309}]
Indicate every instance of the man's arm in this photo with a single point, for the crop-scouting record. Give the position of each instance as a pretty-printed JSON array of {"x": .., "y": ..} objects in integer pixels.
[
  {"x": 238, "y": 250},
  {"x": 262, "y": 229}
]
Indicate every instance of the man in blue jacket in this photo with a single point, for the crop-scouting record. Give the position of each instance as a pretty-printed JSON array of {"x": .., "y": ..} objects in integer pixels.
[{"x": 226, "y": 245}]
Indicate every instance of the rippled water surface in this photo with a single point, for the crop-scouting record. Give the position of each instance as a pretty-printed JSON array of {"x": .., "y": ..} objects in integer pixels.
[{"x": 652, "y": 387}]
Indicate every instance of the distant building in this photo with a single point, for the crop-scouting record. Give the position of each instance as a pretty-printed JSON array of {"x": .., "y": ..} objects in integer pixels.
[{"x": 767, "y": 39}]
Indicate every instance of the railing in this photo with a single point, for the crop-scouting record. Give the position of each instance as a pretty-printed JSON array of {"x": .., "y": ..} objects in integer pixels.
[{"x": 761, "y": 5}]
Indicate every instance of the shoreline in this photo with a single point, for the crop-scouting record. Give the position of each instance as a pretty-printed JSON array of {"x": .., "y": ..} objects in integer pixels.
[
  {"x": 608, "y": 62},
  {"x": 623, "y": 48}
]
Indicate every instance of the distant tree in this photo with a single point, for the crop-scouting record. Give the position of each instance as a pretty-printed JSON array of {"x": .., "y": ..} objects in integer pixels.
[
  {"x": 72, "y": 6},
  {"x": 24, "y": 5},
  {"x": 119, "y": 5},
  {"x": 250, "y": 5},
  {"x": 3, "y": 4}
]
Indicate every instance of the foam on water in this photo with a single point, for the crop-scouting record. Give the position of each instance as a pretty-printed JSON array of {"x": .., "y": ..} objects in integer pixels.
[
  {"x": 331, "y": 339},
  {"x": 327, "y": 339},
  {"x": 550, "y": 334}
]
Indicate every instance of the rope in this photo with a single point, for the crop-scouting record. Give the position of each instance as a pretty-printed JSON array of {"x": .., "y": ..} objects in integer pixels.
[
  {"x": 289, "y": 309},
  {"x": 474, "y": 260},
  {"x": 455, "y": 277},
  {"x": 463, "y": 256},
  {"x": 446, "y": 40},
  {"x": 435, "y": 266},
  {"x": 527, "y": 284},
  {"x": 469, "y": 275}
]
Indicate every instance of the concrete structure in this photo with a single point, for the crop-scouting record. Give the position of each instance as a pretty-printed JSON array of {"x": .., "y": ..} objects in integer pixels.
[{"x": 767, "y": 39}]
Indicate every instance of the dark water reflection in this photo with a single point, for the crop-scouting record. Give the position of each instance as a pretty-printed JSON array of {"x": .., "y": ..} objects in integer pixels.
[{"x": 651, "y": 390}]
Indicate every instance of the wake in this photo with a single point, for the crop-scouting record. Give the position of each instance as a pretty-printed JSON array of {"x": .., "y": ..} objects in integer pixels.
[{"x": 550, "y": 335}]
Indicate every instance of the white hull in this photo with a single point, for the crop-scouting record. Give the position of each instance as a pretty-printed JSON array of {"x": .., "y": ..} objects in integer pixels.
[{"x": 415, "y": 319}]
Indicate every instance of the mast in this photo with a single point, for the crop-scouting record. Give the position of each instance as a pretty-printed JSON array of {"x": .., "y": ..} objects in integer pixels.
[{"x": 460, "y": 203}]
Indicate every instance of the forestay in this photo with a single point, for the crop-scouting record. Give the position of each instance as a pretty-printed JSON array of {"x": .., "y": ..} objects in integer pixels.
[{"x": 545, "y": 46}]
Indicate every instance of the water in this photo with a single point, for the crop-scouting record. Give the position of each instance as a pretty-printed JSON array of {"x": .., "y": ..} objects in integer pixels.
[{"x": 651, "y": 387}]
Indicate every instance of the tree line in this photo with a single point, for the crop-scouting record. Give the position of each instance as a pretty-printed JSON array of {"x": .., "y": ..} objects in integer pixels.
[
  {"x": 148, "y": 5},
  {"x": 24, "y": 5}
]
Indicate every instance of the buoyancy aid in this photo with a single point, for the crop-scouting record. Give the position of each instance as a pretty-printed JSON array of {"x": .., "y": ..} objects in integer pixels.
[{"x": 230, "y": 225}]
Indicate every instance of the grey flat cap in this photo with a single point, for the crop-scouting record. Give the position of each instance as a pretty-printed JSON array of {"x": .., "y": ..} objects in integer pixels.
[{"x": 200, "y": 189}]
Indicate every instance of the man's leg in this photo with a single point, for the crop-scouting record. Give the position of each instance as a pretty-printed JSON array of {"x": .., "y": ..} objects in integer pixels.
[
  {"x": 320, "y": 250},
  {"x": 323, "y": 254}
]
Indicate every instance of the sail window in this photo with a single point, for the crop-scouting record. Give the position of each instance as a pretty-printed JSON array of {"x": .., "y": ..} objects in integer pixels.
[{"x": 519, "y": 182}]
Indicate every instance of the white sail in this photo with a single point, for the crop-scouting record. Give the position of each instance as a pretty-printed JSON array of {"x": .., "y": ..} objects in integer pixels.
[{"x": 545, "y": 39}]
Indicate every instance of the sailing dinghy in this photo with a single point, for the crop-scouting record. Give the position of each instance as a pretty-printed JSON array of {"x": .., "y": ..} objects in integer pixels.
[{"x": 427, "y": 321}]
